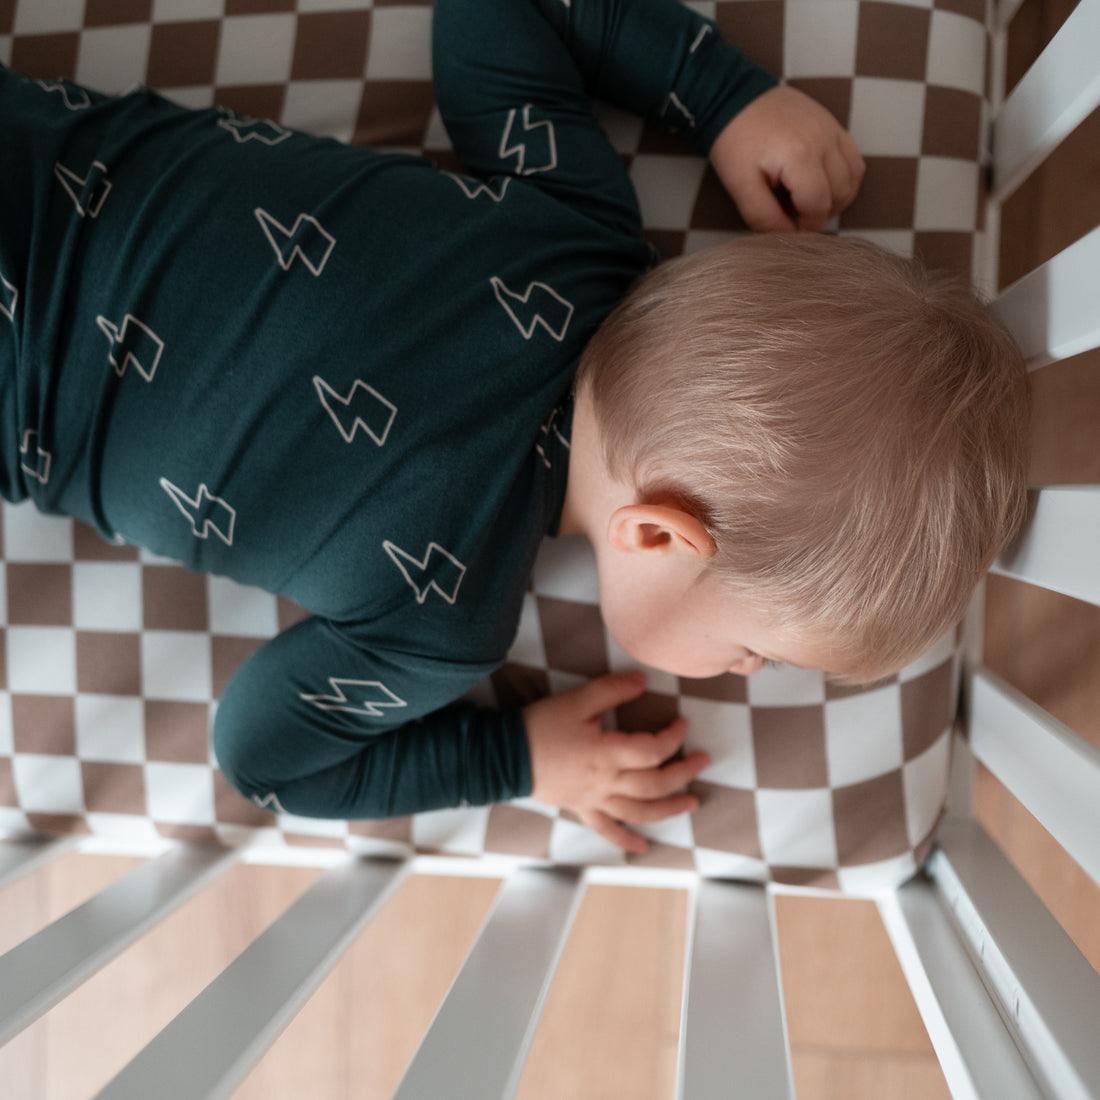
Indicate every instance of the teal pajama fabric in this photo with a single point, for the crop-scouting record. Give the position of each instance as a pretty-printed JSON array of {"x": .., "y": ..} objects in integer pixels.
[{"x": 340, "y": 375}]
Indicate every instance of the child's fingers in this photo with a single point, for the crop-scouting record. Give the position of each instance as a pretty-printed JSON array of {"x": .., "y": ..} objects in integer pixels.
[
  {"x": 841, "y": 183},
  {"x": 660, "y": 782},
  {"x": 632, "y": 751},
  {"x": 857, "y": 167},
  {"x": 759, "y": 207},
  {"x": 644, "y": 812},
  {"x": 610, "y": 691},
  {"x": 615, "y": 832},
  {"x": 844, "y": 167},
  {"x": 811, "y": 192}
]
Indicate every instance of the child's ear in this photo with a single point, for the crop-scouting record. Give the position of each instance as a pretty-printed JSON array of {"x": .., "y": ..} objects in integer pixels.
[{"x": 659, "y": 529}]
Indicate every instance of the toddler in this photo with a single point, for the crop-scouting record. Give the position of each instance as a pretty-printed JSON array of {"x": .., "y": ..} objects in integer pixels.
[{"x": 348, "y": 377}]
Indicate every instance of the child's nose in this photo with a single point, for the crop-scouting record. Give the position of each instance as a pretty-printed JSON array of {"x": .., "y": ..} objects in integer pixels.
[{"x": 746, "y": 666}]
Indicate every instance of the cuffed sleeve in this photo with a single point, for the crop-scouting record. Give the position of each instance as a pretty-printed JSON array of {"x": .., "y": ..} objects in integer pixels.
[
  {"x": 515, "y": 80},
  {"x": 318, "y": 726}
]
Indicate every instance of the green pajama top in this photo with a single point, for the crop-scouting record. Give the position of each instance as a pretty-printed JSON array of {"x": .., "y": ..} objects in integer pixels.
[{"x": 340, "y": 375}]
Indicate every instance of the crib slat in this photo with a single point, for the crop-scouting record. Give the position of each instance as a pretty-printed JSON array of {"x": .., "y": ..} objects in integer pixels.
[
  {"x": 19, "y": 857},
  {"x": 1056, "y": 93},
  {"x": 1004, "y": 10},
  {"x": 206, "y": 1051},
  {"x": 1053, "y": 771},
  {"x": 1060, "y": 547},
  {"x": 1052, "y": 310},
  {"x": 733, "y": 1027},
  {"x": 977, "y": 1053},
  {"x": 1046, "y": 989},
  {"x": 41, "y": 970},
  {"x": 478, "y": 1042}
]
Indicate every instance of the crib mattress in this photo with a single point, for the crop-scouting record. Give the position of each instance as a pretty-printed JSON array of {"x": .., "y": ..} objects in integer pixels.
[{"x": 111, "y": 661}]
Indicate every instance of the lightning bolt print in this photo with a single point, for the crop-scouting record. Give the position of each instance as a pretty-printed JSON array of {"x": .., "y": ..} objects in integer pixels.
[
  {"x": 472, "y": 187},
  {"x": 704, "y": 31},
  {"x": 307, "y": 240},
  {"x": 673, "y": 103},
  {"x": 369, "y": 697},
  {"x": 533, "y": 144},
  {"x": 550, "y": 428},
  {"x": 262, "y": 131},
  {"x": 205, "y": 512},
  {"x": 269, "y": 802},
  {"x": 74, "y": 98},
  {"x": 364, "y": 407},
  {"x": 438, "y": 570},
  {"x": 88, "y": 192},
  {"x": 539, "y": 304},
  {"x": 133, "y": 344},
  {"x": 36, "y": 462},
  {"x": 9, "y": 298}
]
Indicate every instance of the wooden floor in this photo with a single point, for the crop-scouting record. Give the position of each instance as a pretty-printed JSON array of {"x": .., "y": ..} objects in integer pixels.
[{"x": 610, "y": 1027}]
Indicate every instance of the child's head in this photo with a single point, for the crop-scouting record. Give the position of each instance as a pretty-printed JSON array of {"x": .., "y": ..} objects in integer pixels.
[{"x": 849, "y": 429}]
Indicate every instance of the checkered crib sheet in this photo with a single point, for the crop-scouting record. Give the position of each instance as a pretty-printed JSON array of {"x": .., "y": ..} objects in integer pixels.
[{"x": 111, "y": 661}]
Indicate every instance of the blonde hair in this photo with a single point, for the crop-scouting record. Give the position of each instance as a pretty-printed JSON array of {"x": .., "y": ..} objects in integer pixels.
[{"x": 850, "y": 429}]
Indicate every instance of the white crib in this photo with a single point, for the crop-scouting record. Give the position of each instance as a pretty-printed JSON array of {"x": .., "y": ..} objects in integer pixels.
[{"x": 1011, "y": 1006}]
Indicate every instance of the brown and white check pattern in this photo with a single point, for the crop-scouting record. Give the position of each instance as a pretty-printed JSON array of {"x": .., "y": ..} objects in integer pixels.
[{"x": 111, "y": 661}]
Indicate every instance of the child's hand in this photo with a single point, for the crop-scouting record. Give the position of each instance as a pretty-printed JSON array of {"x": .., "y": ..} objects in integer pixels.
[
  {"x": 607, "y": 777},
  {"x": 785, "y": 138}
]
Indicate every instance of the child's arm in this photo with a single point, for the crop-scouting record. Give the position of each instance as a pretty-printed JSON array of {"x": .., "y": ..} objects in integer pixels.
[
  {"x": 656, "y": 58},
  {"x": 314, "y": 724},
  {"x": 323, "y": 721},
  {"x": 514, "y": 75},
  {"x": 607, "y": 777}
]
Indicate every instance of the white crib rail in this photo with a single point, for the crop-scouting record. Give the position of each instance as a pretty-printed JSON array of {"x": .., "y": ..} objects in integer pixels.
[
  {"x": 1032, "y": 966},
  {"x": 1027, "y": 1028},
  {"x": 1041, "y": 1038},
  {"x": 477, "y": 1045},
  {"x": 31, "y": 853},
  {"x": 1053, "y": 771},
  {"x": 1052, "y": 310},
  {"x": 499, "y": 992},
  {"x": 979, "y": 1058},
  {"x": 43, "y": 969},
  {"x": 1058, "y": 92},
  {"x": 237, "y": 1017},
  {"x": 1060, "y": 548},
  {"x": 1008, "y": 1001},
  {"x": 733, "y": 1026}
]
